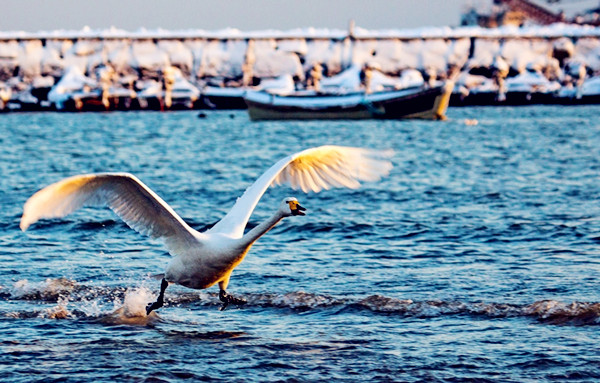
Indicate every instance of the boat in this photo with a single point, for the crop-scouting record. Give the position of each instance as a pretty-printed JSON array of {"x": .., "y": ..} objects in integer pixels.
[
  {"x": 588, "y": 93},
  {"x": 72, "y": 86},
  {"x": 215, "y": 97},
  {"x": 530, "y": 87},
  {"x": 173, "y": 92},
  {"x": 423, "y": 102},
  {"x": 76, "y": 92}
]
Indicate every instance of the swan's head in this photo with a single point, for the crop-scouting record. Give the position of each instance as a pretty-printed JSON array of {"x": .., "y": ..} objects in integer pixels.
[{"x": 290, "y": 206}]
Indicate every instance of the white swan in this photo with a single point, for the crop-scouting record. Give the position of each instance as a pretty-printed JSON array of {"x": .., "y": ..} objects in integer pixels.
[{"x": 201, "y": 260}]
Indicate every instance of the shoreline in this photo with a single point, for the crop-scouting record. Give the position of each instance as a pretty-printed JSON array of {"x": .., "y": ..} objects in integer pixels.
[
  {"x": 358, "y": 33},
  {"x": 33, "y": 64}
]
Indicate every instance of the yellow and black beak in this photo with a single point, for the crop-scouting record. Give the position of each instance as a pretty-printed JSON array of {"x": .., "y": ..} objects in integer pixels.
[{"x": 295, "y": 208}]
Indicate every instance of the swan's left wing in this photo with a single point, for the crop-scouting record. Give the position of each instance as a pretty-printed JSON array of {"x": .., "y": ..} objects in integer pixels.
[
  {"x": 127, "y": 196},
  {"x": 313, "y": 169}
]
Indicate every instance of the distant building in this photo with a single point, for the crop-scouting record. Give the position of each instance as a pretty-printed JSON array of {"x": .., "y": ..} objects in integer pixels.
[{"x": 536, "y": 12}]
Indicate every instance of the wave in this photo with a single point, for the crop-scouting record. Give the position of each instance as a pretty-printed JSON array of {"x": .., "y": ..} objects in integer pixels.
[{"x": 117, "y": 305}]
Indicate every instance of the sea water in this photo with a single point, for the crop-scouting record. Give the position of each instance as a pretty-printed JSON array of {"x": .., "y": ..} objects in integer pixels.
[{"x": 476, "y": 259}]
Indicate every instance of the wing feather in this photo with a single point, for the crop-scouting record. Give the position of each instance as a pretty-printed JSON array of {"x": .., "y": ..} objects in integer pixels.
[
  {"x": 315, "y": 180},
  {"x": 127, "y": 196},
  {"x": 313, "y": 170},
  {"x": 321, "y": 176},
  {"x": 326, "y": 178}
]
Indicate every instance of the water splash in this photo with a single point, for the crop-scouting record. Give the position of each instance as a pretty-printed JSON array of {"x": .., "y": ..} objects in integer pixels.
[
  {"x": 50, "y": 289},
  {"x": 128, "y": 306},
  {"x": 555, "y": 312},
  {"x": 301, "y": 300},
  {"x": 133, "y": 310},
  {"x": 134, "y": 304},
  {"x": 59, "y": 311}
]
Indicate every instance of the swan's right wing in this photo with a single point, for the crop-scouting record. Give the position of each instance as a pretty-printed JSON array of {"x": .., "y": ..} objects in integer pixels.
[
  {"x": 332, "y": 166},
  {"x": 127, "y": 196},
  {"x": 313, "y": 169}
]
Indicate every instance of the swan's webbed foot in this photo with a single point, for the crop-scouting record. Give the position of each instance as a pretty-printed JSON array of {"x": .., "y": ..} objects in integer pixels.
[
  {"x": 230, "y": 299},
  {"x": 161, "y": 298}
]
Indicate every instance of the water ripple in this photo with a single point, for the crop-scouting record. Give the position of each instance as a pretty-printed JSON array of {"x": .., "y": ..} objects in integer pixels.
[
  {"x": 475, "y": 260},
  {"x": 65, "y": 293}
]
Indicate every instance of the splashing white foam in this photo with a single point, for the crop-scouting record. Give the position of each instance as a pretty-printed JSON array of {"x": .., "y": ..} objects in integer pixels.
[
  {"x": 134, "y": 304},
  {"x": 133, "y": 309},
  {"x": 91, "y": 308},
  {"x": 59, "y": 311},
  {"x": 21, "y": 288},
  {"x": 300, "y": 299},
  {"x": 49, "y": 289}
]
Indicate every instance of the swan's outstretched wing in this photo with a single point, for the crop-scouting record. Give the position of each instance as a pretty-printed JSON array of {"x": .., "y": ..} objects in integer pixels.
[
  {"x": 313, "y": 169},
  {"x": 127, "y": 196}
]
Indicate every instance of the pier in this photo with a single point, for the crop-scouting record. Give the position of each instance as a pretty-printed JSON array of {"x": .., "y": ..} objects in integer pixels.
[{"x": 32, "y": 63}]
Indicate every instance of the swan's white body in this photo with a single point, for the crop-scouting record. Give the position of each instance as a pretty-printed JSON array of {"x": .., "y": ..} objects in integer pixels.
[{"x": 201, "y": 260}]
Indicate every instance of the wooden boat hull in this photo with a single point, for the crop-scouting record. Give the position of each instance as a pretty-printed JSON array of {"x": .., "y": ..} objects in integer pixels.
[
  {"x": 94, "y": 104},
  {"x": 222, "y": 98},
  {"x": 521, "y": 99},
  {"x": 424, "y": 103},
  {"x": 510, "y": 99}
]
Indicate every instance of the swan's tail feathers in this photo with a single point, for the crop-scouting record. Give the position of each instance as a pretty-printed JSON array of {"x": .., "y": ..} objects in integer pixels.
[{"x": 158, "y": 277}]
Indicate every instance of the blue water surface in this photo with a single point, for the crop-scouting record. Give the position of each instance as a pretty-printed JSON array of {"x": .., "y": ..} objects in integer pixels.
[{"x": 476, "y": 259}]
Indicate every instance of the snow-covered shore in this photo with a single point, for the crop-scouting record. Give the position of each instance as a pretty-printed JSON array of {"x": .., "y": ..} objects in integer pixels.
[
  {"x": 28, "y": 59},
  {"x": 550, "y": 31}
]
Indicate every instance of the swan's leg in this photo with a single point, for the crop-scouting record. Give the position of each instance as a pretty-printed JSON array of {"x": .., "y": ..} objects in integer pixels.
[
  {"x": 228, "y": 299},
  {"x": 161, "y": 298}
]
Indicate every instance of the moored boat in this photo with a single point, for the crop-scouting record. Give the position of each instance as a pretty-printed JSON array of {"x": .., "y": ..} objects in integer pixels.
[
  {"x": 214, "y": 97},
  {"x": 423, "y": 102}
]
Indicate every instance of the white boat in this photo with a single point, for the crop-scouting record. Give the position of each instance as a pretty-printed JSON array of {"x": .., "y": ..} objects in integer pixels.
[
  {"x": 422, "y": 102},
  {"x": 215, "y": 97}
]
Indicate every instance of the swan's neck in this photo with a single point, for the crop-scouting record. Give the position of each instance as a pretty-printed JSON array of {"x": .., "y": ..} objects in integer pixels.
[{"x": 250, "y": 237}]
